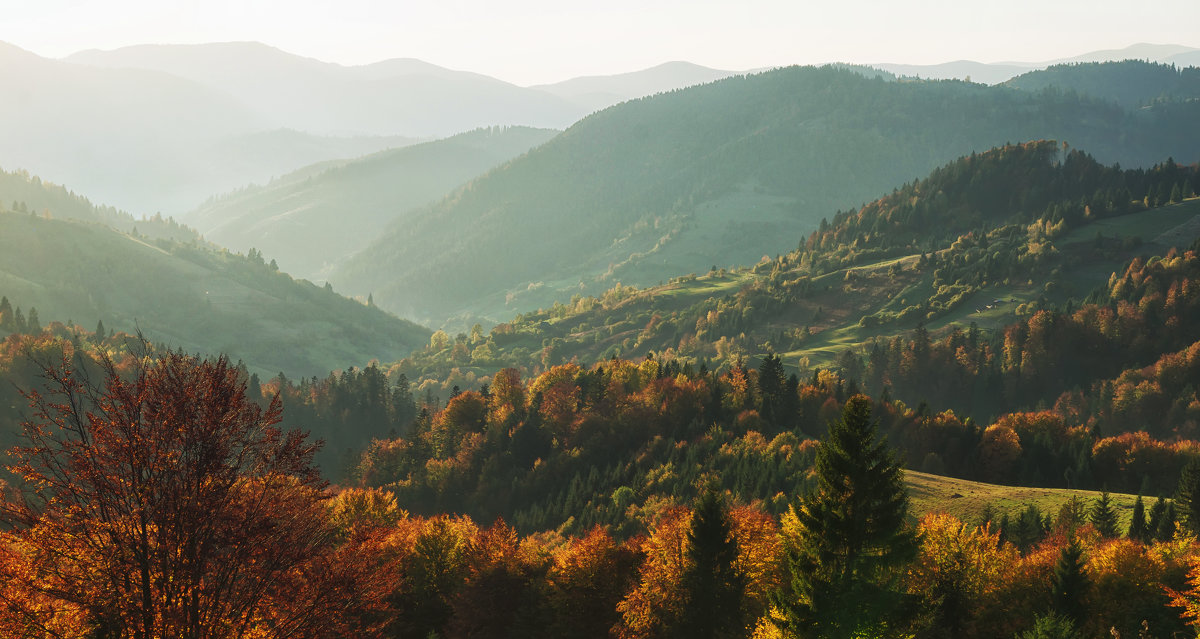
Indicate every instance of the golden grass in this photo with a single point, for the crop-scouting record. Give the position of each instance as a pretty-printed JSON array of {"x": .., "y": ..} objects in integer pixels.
[{"x": 967, "y": 499}]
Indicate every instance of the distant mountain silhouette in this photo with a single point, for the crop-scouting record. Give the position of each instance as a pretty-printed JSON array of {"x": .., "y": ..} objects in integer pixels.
[
  {"x": 602, "y": 91},
  {"x": 393, "y": 97},
  {"x": 995, "y": 73}
]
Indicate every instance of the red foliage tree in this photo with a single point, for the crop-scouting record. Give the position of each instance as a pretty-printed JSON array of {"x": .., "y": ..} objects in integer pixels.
[{"x": 165, "y": 503}]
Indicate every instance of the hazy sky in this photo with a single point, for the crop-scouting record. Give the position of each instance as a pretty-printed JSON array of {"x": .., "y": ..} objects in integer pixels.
[{"x": 534, "y": 41}]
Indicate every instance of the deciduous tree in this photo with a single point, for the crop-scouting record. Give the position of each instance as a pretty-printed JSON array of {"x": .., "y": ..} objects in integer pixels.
[{"x": 165, "y": 503}]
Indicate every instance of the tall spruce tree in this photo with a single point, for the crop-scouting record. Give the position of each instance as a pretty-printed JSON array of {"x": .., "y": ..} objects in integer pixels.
[
  {"x": 1157, "y": 510},
  {"x": 1069, "y": 584},
  {"x": 1104, "y": 516},
  {"x": 1137, "y": 524},
  {"x": 6, "y": 315},
  {"x": 1165, "y": 530},
  {"x": 712, "y": 585},
  {"x": 1187, "y": 497},
  {"x": 771, "y": 386},
  {"x": 847, "y": 540}
]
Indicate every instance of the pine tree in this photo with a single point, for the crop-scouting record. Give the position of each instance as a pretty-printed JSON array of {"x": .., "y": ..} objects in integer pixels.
[
  {"x": 101, "y": 333},
  {"x": 1050, "y": 626},
  {"x": 1157, "y": 510},
  {"x": 1104, "y": 517},
  {"x": 1187, "y": 497},
  {"x": 848, "y": 541},
  {"x": 1029, "y": 528},
  {"x": 1069, "y": 584},
  {"x": 712, "y": 585},
  {"x": 1166, "y": 524},
  {"x": 1137, "y": 524},
  {"x": 6, "y": 315},
  {"x": 771, "y": 385},
  {"x": 33, "y": 325}
]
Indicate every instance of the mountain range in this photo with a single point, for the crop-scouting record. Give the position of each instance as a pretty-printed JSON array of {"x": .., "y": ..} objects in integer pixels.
[
  {"x": 164, "y": 127},
  {"x": 716, "y": 175},
  {"x": 995, "y": 73}
]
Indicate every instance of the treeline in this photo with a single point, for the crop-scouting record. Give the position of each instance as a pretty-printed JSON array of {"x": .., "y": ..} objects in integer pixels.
[
  {"x": 1130, "y": 83},
  {"x": 12, "y": 320},
  {"x": 1016, "y": 184},
  {"x": 21, "y": 192}
]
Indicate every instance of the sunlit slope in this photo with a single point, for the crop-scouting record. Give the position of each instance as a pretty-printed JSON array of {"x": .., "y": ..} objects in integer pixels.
[
  {"x": 987, "y": 239},
  {"x": 967, "y": 499},
  {"x": 716, "y": 175},
  {"x": 310, "y": 219},
  {"x": 191, "y": 297}
]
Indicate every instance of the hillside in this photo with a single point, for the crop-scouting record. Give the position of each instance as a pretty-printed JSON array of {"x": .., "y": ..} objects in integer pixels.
[
  {"x": 191, "y": 297},
  {"x": 1018, "y": 229},
  {"x": 1131, "y": 83},
  {"x": 968, "y": 500},
  {"x": 715, "y": 175},
  {"x": 310, "y": 219},
  {"x": 25, "y": 193}
]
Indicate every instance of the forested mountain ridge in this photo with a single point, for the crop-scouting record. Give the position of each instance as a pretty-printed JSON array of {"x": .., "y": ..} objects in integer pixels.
[
  {"x": 25, "y": 193},
  {"x": 1130, "y": 83},
  {"x": 716, "y": 175},
  {"x": 312, "y": 218},
  {"x": 187, "y": 294}
]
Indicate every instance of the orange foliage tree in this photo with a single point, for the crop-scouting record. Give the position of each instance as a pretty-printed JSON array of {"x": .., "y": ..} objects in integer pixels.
[
  {"x": 162, "y": 502},
  {"x": 959, "y": 567}
]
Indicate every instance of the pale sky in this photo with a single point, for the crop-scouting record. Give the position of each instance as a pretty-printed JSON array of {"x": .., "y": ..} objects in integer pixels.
[{"x": 537, "y": 41}]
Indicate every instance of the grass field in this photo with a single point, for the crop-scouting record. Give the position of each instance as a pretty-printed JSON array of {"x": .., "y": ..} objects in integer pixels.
[{"x": 966, "y": 500}]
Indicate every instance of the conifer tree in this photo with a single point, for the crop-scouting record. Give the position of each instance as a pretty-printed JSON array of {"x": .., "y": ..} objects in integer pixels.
[
  {"x": 771, "y": 386},
  {"x": 847, "y": 540},
  {"x": 712, "y": 585},
  {"x": 1069, "y": 584},
  {"x": 1104, "y": 517},
  {"x": 1165, "y": 529},
  {"x": 1187, "y": 497},
  {"x": 1029, "y": 528},
  {"x": 1137, "y": 524},
  {"x": 1157, "y": 510},
  {"x": 1050, "y": 626},
  {"x": 6, "y": 315}
]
